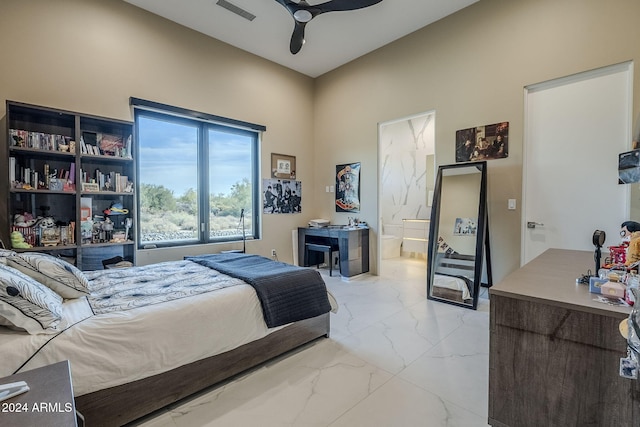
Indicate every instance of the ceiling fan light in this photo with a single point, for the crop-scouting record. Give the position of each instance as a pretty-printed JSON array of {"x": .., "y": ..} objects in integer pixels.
[{"x": 302, "y": 15}]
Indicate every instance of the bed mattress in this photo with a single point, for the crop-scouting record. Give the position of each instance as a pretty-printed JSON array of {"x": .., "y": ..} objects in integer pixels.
[{"x": 107, "y": 348}]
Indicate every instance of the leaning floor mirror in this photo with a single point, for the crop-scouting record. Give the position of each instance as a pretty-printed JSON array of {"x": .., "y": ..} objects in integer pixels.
[{"x": 458, "y": 257}]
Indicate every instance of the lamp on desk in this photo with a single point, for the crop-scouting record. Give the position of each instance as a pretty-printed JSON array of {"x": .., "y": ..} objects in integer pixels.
[
  {"x": 598, "y": 240},
  {"x": 244, "y": 238}
]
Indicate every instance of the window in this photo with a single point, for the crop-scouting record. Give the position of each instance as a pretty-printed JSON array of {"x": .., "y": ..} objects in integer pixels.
[{"x": 197, "y": 177}]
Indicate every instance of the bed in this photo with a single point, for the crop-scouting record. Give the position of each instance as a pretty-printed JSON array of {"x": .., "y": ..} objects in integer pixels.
[
  {"x": 138, "y": 339},
  {"x": 449, "y": 279}
]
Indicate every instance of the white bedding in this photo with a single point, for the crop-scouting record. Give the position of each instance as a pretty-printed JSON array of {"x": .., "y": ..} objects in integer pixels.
[
  {"x": 111, "y": 349},
  {"x": 454, "y": 283}
]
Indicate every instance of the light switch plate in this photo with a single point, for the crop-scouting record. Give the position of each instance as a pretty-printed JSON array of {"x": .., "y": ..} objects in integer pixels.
[{"x": 511, "y": 205}]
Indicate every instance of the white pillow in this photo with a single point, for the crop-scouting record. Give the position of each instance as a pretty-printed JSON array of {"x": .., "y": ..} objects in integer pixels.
[
  {"x": 4, "y": 253},
  {"x": 59, "y": 275},
  {"x": 27, "y": 304}
]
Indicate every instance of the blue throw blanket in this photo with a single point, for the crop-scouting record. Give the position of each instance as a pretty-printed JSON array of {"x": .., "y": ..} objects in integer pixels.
[{"x": 286, "y": 292}]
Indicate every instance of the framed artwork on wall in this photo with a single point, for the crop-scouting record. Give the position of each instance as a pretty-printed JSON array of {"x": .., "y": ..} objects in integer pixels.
[
  {"x": 348, "y": 187},
  {"x": 283, "y": 166},
  {"x": 629, "y": 167},
  {"x": 281, "y": 196},
  {"x": 483, "y": 143}
]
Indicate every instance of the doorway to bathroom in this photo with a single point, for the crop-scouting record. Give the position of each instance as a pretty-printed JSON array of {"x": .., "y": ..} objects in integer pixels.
[{"x": 406, "y": 173}]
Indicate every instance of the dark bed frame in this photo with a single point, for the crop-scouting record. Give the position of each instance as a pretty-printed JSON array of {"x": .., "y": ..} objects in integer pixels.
[
  {"x": 446, "y": 293},
  {"x": 122, "y": 404}
]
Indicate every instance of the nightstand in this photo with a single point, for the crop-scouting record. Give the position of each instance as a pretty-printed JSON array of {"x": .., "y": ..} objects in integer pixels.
[{"x": 49, "y": 401}]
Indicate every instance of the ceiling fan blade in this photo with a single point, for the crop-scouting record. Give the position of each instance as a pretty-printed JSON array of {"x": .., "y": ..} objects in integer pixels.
[
  {"x": 302, "y": 12},
  {"x": 289, "y": 5},
  {"x": 297, "y": 38},
  {"x": 340, "y": 5}
]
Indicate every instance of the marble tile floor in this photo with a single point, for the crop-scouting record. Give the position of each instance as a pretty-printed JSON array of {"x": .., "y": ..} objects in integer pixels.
[{"x": 393, "y": 359}]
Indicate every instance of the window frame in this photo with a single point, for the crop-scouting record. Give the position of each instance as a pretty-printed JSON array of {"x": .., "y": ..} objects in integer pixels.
[{"x": 204, "y": 122}]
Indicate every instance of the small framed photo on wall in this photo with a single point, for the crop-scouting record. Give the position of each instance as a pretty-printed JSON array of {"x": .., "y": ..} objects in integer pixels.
[{"x": 283, "y": 166}]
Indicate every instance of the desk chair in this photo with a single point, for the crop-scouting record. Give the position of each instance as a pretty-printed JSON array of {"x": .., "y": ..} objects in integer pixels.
[{"x": 317, "y": 247}]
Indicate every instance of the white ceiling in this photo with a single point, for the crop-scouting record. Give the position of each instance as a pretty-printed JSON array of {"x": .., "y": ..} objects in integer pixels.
[{"x": 332, "y": 39}]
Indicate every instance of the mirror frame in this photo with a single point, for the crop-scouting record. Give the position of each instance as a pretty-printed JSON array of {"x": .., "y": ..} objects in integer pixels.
[{"x": 482, "y": 253}]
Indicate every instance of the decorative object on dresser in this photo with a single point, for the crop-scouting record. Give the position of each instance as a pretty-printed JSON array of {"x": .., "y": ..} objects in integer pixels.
[{"x": 45, "y": 169}]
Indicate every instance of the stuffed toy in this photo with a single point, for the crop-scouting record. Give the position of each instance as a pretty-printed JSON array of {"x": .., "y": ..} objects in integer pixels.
[
  {"x": 633, "y": 251},
  {"x": 24, "y": 220},
  {"x": 631, "y": 231},
  {"x": 17, "y": 241}
]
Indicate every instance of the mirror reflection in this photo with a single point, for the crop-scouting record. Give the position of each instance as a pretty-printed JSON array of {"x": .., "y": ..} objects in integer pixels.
[{"x": 458, "y": 239}]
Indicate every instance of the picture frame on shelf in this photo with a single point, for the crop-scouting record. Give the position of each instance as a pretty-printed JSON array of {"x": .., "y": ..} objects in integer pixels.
[
  {"x": 90, "y": 187},
  {"x": 283, "y": 166},
  {"x": 56, "y": 184},
  {"x": 110, "y": 145}
]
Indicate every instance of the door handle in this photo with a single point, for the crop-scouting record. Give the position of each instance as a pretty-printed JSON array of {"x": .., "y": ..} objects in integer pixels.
[{"x": 532, "y": 224}]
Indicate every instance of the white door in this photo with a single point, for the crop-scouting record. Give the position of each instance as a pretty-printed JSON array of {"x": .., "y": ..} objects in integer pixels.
[{"x": 575, "y": 127}]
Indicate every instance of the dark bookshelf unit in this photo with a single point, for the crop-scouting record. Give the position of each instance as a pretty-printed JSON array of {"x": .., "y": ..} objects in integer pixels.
[{"x": 67, "y": 184}]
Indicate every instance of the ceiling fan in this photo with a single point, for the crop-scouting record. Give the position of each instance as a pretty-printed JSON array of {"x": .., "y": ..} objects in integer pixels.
[{"x": 303, "y": 12}]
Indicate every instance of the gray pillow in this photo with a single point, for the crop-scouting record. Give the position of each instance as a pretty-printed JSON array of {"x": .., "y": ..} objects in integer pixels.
[
  {"x": 57, "y": 274},
  {"x": 27, "y": 304}
]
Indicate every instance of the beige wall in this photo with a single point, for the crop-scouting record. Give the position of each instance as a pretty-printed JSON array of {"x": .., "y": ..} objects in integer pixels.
[
  {"x": 471, "y": 69},
  {"x": 90, "y": 56}
]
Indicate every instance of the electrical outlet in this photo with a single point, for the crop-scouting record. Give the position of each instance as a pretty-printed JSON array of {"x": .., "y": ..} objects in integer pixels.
[{"x": 273, "y": 252}]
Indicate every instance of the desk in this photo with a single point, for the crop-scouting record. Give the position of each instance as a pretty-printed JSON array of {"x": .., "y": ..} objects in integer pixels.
[
  {"x": 554, "y": 353},
  {"x": 49, "y": 401},
  {"x": 353, "y": 244}
]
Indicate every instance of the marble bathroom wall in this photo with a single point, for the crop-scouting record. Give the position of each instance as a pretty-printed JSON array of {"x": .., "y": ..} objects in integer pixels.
[{"x": 407, "y": 163}]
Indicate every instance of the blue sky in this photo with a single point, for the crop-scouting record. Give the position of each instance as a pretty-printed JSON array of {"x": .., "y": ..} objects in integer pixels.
[{"x": 168, "y": 153}]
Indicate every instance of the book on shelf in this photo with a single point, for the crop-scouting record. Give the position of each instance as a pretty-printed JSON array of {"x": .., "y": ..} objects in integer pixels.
[
  {"x": 72, "y": 173},
  {"x": 39, "y": 140},
  {"x": 32, "y": 179},
  {"x": 12, "y": 170},
  {"x": 110, "y": 181},
  {"x": 86, "y": 207},
  {"x": 47, "y": 176}
]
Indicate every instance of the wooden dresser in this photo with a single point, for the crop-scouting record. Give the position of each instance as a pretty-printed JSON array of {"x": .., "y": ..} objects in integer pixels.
[{"x": 554, "y": 352}]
